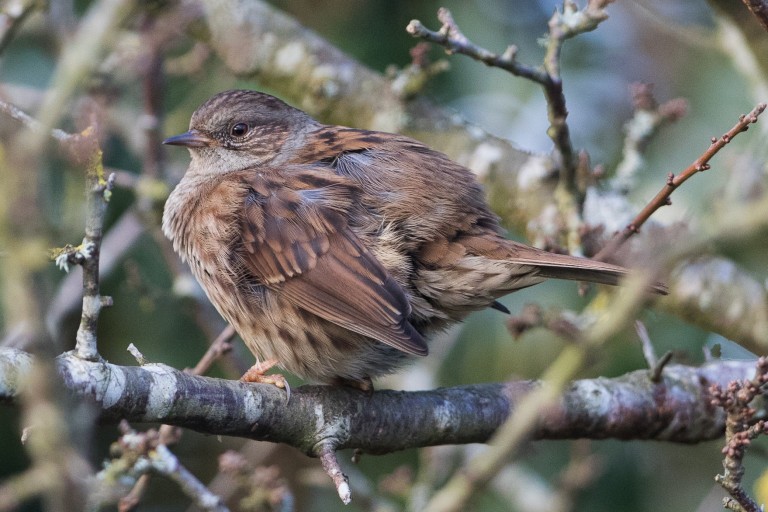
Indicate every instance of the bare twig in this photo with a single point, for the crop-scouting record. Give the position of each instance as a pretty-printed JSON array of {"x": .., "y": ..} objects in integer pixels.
[
  {"x": 563, "y": 25},
  {"x": 760, "y": 9},
  {"x": 99, "y": 190},
  {"x": 454, "y": 41},
  {"x": 31, "y": 123},
  {"x": 327, "y": 453},
  {"x": 169, "y": 434},
  {"x": 655, "y": 365},
  {"x": 84, "y": 147},
  {"x": 740, "y": 430},
  {"x": 673, "y": 181},
  {"x": 143, "y": 452},
  {"x": 655, "y": 373},
  {"x": 220, "y": 346}
]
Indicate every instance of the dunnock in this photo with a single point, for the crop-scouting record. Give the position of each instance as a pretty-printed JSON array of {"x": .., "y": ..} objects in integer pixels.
[{"x": 334, "y": 252}]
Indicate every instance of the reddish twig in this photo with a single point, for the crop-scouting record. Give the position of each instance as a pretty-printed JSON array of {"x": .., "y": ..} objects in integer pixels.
[
  {"x": 220, "y": 346},
  {"x": 673, "y": 181}
]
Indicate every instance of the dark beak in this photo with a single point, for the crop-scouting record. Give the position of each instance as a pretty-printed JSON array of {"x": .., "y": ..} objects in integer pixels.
[{"x": 191, "y": 139}]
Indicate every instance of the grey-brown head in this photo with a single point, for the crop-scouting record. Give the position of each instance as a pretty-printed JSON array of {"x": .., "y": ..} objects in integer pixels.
[{"x": 237, "y": 129}]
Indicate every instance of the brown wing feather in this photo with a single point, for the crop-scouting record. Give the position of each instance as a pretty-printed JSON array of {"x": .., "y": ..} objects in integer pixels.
[{"x": 297, "y": 241}]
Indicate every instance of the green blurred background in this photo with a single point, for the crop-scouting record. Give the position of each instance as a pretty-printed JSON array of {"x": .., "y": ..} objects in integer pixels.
[{"x": 674, "y": 46}]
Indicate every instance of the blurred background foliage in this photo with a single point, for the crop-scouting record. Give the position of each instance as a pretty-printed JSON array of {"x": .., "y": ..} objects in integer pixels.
[{"x": 675, "y": 46}]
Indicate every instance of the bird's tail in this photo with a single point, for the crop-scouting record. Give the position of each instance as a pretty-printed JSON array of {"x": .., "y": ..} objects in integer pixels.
[{"x": 562, "y": 266}]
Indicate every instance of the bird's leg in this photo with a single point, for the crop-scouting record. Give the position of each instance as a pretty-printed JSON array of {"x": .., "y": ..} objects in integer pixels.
[
  {"x": 256, "y": 374},
  {"x": 365, "y": 384}
]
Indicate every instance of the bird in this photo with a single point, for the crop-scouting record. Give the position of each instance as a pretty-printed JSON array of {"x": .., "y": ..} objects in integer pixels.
[{"x": 337, "y": 252}]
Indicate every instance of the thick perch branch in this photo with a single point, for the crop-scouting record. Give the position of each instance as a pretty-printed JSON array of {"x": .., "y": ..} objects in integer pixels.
[{"x": 677, "y": 409}]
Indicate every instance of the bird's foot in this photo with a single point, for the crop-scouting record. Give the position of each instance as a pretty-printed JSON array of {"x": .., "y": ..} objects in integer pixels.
[{"x": 256, "y": 374}]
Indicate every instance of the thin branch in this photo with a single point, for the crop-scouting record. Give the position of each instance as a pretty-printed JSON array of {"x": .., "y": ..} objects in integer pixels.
[
  {"x": 166, "y": 463},
  {"x": 31, "y": 123},
  {"x": 649, "y": 353},
  {"x": 454, "y": 41},
  {"x": 141, "y": 453},
  {"x": 662, "y": 198},
  {"x": 740, "y": 430},
  {"x": 84, "y": 148},
  {"x": 330, "y": 463},
  {"x": 220, "y": 346},
  {"x": 563, "y": 25},
  {"x": 760, "y": 9},
  {"x": 99, "y": 190}
]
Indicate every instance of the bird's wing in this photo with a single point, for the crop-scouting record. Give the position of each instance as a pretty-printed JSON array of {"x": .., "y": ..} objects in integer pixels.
[{"x": 297, "y": 241}]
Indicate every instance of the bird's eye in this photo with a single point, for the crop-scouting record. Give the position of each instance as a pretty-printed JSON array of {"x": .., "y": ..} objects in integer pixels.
[{"x": 239, "y": 129}]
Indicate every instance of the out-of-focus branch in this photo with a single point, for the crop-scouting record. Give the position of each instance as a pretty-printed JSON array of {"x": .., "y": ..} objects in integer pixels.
[
  {"x": 760, "y": 9},
  {"x": 58, "y": 473},
  {"x": 645, "y": 123},
  {"x": 508, "y": 439},
  {"x": 742, "y": 38},
  {"x": 31, "y": 123},
  {"x": 84, "y": 148},
  {"x": 81, "y": 55},
  {"x": 12, "y": 15},
  {"x": 142, "y": 453},
  {"x": 168, "y": 434}
]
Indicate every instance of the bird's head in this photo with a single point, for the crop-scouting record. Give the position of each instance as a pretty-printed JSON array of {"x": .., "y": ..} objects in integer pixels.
[{"x": 238, "y": 129}]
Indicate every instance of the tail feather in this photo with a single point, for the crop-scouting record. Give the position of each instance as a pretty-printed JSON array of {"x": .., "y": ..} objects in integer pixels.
[{"x": 561, "y": 266}]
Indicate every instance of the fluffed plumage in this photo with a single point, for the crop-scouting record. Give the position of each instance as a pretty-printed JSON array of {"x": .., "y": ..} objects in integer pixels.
[{"x": 337, "y": 251}]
